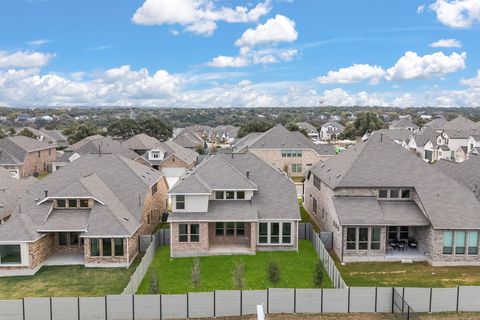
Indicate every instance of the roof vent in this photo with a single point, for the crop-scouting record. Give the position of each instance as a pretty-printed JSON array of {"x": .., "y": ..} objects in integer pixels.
[
  {"x": 338, "y": 176},
  {"x": 329, "y": 169},
  {"x": 46, "y": 193}
]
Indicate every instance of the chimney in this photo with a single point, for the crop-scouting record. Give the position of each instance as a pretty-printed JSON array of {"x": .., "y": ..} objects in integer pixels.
[
  {"x": 248, "y": 174},
  {"x": 46, "y": 193}
]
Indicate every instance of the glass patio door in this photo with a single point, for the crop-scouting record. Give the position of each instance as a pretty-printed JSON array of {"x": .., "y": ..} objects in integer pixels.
[{"x": 398, "y": 233}]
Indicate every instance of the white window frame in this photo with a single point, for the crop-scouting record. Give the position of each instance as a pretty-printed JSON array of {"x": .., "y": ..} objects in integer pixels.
[{"x": 280, "y": 233}]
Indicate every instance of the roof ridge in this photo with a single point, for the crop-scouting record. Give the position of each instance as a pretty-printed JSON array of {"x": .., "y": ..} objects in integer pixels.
[{"x": 238, "y": 171}]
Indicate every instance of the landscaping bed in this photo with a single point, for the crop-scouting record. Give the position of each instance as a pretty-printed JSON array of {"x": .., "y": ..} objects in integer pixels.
[
  {"x": 67, "y": 281},
  {"x": 217, "y": 272}
]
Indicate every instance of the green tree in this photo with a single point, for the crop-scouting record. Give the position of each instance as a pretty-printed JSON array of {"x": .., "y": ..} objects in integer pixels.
[
  {"x": 318, "y": 273},
  {"x": 196, "y": 272},
  {"x": 77, "y": 132},
  {"x": 366, "y": 121},
  {"x": 155, "y": 127},
  {"x": 273, "y": 271},
  {"x": 254, "y": 126},
  {"x": 200, "y": 149},
  {"x": 123, "y": 128},
  {"x": 154, "y": 283},
  {"x": 239, "y": 275},
  {"x": 27, "y": 133}
]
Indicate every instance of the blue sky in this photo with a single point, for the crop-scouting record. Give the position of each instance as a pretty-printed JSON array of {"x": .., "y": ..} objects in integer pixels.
[{"x": 201, "y": 53}]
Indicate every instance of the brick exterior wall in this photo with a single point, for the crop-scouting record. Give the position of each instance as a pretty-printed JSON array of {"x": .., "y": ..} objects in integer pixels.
[
  {"x": 34, "y": 163},
  {"x": 40, "y": 250},
  {"x": 177, "y": 248},
  {"x": 108, "y": 259},
  {"x": 67, "y": 248},
  {"x": 274, "y": 158},
  {"x": 214, "y": 239}
]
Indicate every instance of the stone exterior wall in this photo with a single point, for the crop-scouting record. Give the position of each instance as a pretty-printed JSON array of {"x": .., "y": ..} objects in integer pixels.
[
  {"x": 40, "y": 250},
  {"x": 437, "y": 258},
  {"x": 68, "y": 248},
  {"x": 365, "y": 255},
  {"x": 154, "y": 205},
  {"x": 122, "y": 260},
  {"x": 180, "y": 248},
  {"x": 274, "y": 158},
  {"x": 35, "y": 163}
]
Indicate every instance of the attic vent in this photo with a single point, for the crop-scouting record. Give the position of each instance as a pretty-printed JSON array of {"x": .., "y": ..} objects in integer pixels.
[
  {"x": 328, "y": 170},
  {"x": 125, "y": 218},
  {"x": 323, "y": 165},
  {"x": 338, "y": 176},
  {"x": 143, "y": 176}
]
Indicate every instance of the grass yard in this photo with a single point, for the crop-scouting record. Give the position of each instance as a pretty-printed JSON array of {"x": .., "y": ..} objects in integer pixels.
[
  {"x": 69, "y": 281},
  {"x": 296, "y": 271},
  {"x": 419, "y": 274},
  {"x": 306, "y": 217}
]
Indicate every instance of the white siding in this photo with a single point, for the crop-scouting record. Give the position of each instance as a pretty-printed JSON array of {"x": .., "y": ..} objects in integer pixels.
[{"x": 193, "y": 203}]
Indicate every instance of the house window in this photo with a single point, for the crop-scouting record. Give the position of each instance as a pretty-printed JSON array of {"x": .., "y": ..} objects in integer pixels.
[
  {"x": 230, "y": 195},
  {"x": 362, "y": 238},
  {"x": 317, "y": 183},
  {"x": 447, "y": 242},
  {"x": 194, "y": 232},
  {"x": 405, "y": 194},
  {"x": 38, "y": 153},
  {"x": 296, "y": 167},
  {"x": 118, "y": 247},
  {"x": 286, "y": 232},
  {"x": 154, "y": 189},
  {"x": 72, "y": 203},
  {"x": 240, "y": 228},
  {"x": 219, "y": 195},
  {"x": 375, "y": 238},
  {"x": 63, "y": 238},
  {"x": 263, "y": 232},
  {"x": 183, "y": 233},
  {"x": 459, "y": 242},
  {"x": 240, "y": 195},
  {"x": 10, "y": 254},
  {"x": 219, "y": 229},
  {"x": 275, "y": 232},
  {"x": 394, "y": 193},
  {"x": 472, "y": 242},
  {"x": 315, "y": 206},
  {"x": 74, "y": 237},
  {"x": 180, "y": 202},
  {"x": 83, "y": 203},
  {"x": 107, "y": 247},
  {"x": 383, "y": 194},
  {"x": 49, "y": 152},
  {"x": 61, "y": 203},
  {"x": 351, "y": 238},
  {"x": 95, "y": 247},
  {"x": 230, "y": 229}
]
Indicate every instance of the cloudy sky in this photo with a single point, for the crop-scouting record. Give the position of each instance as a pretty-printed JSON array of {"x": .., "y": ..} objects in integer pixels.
[{"x": 214, "y": 53}]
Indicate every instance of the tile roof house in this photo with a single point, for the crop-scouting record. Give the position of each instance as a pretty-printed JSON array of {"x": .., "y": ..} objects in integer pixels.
[
  {"x": 330, "y": 130},
  {"x": 289, "y": 151},
  {"x": 384, "y": 204},
  {"x": 25, "y": 156},
  {"x": 233, "y": 204},
  {"x": 90, "y": 213},
  {"x": 10, "y": 189},
  {"x": 405, "y": 124}
]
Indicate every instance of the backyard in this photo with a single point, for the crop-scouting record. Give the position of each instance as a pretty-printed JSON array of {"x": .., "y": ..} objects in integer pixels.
[
  {"x": 174, "y": 275},
  {"x": 419, "y": 274},
  {"x": 69, "y": 281}
]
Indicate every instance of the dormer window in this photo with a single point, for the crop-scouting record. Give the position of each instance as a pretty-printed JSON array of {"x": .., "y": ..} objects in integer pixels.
[
  {"x": 61, "y": 203},
  {"x": 240, "y": 194},
  {"x": 394, "y": 194},
  {"x": 406, "y": 194},
  {"x": 83, "y": 203},
  {"x": 230, "y": 195},
  {"x": 219, "y": 195},
  {"x": 72, "y": 203}
]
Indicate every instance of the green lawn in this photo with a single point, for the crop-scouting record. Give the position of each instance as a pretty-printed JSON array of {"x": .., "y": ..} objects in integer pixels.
[
  {"x": 306, "y": 217},
  {"x": 419, "y": 274},
  {"x": 71, "y": 281},
  {"x": 296, "y": 270}
]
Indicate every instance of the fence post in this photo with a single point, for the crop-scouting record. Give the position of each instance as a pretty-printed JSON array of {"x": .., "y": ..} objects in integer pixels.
[
  {"x": 160, "y": 309},
  {"x": 348, "y": 303},
  {"x": 376, "y": 298},
  {"x": 458, "y": 296},
  {"x": 403, "y": 299},
  {"x": 393, "y": 299},
  {"x": 188, "y": 308},
  {"x": 23, "y": 308},
  {"x": 241, "y": 303},
  {"x": 321, "y": 301},
  {"x": 78, "y": 307},
  {"x": 295, "y": 300},
  {"x": 133, "y": 306},
  {"x": 106, "y": 311},
  {"x": 430, "y": 303},
  {"x": 214, "y": 303},
  {"x": 268, "y": 300}
]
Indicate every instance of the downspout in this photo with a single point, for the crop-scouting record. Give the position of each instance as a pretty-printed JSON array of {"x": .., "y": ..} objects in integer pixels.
[
  {"x": 342, "y": 243},
  {"x": 128, "y": 253}
]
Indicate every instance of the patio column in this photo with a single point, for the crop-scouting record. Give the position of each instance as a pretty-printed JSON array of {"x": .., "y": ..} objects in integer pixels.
[{"x": 253, "y": 236}]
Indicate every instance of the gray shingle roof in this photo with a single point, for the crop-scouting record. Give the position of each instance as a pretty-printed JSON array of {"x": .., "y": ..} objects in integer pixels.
[
  {"x": 370, "y": 211},
  {"x": 460, "y": 123},
  {"x": 170, "y": 148},
  {"x": 307, "y": 126},
  {"x": 10, "y": 189},
  {"x": 437, "y": 123},
  {"x": 395, "y": 134},
  {"x": 141, "y": 141},
  {"x": 403, "y": 124},
  {"x": 380, "y": 162},
  {"x": 120, "y": 185},
  {"x": 426, "y": 134},
  {"x": 188, "y": 139},
  {"x": 279, "y": 137},
  {"x": 92, "y": 145},
  {"x": 13, "y": 150},
  {"x": 66, "y": 220},
  {"x": 467, "y": 172}
]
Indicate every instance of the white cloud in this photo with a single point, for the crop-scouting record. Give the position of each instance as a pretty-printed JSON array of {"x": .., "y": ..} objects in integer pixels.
[
  {"x": 275, "y": 30},
  {"x": 472, "y": 82},
  {"x": 197, "y": 16},
  {"x": 446, "y": 43},
  {"x": 457, "y": 13},
  {"x": 355, "y": 73},
  {"x": 249, "y": 57},
  {"x": 420, "y": 9},
  {"x": 413, "y": 66},
  {"x": 24, "y": 59},
  {"x": 39, "y": 42}
]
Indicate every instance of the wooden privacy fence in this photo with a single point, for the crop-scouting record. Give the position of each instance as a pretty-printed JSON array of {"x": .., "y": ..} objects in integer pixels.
[{"x": 243, "y": 302}]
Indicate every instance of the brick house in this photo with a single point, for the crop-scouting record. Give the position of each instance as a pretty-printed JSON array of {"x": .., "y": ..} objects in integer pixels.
[
  {"x": 286, "y": 150},
  {"x": 25, "y": 156},
  {"x": 233, "y": 204},
  {"x": 383, "y": 203},
  {"x": 89, "y": 213}
]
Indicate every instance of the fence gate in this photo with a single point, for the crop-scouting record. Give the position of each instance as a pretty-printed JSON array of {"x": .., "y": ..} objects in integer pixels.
[{"x": 400, "y": 307}]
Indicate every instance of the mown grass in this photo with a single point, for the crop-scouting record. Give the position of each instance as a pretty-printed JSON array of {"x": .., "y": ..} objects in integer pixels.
[
  {"x": 174, "y": 275},
  {"x": 67, "y": 281}
]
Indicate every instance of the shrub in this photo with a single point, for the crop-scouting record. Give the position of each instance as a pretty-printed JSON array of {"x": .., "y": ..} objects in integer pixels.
[
  {"x": 154, "y": 283},
  {"x": 273, "y": 271},
  {"x": 318, "y": 273},
  {"x": 239, "y": 275},
  {"x": 196, "y": 272}
]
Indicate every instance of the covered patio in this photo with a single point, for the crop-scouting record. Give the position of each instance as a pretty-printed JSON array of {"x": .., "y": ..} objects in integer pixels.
[{"x": 65, "y": 259}]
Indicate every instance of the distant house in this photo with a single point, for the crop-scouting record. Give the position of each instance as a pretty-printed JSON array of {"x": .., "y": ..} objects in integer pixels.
[
  {"x": 189, "y": 139},
  {"x": 289, "y": 151},
  {"x": 223, "y": 134},
  {"x": 400, "y": 136},
  {"x": 312, "y": 132},
  {"x": 405, "y": 124},
  {"x": 233, "y": 204},
  {"x": 53, "y": 137},
  {"x": 90, "y": 213},
  {"x": 10, "y": 189},
  {"x": 330, "y": 130},
  {"x": 437, "y": 123},
  {"x": 25, "y": 156},
  {"x": 141, "y": 143},
  {"x": 382, "y": 203}
]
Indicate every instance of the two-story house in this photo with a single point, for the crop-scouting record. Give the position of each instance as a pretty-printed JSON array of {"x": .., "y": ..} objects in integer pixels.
[
  {"x": 404, "y": 124},
  {"x": 312, "y": 132},
  {"x": 10, "y": 189},
  {"x": 25, "y": 156},
  {"x": 286, "y": 150},
  {"x": 90, "y": 213},
  {"x": 233, "y": 204},
  {"x": 382, "y": 203},
  {"x": 330, "y": 130}
]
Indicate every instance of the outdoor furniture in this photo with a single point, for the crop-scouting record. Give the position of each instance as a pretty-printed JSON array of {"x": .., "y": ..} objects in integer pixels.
[
  {"x": 412, "y": 243},
  {"x": 393, "y": 244},
  {"x": 402, "y": 245}
]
